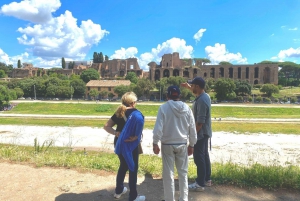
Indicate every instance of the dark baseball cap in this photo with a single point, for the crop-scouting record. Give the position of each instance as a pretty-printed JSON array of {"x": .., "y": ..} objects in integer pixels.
[
  {"x": 173, "y": 92},
  {"x": 198, "y": 81}
]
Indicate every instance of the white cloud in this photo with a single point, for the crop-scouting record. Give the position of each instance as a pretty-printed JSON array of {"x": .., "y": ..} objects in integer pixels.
[
  {"x": 51, "y": 38},
  {"x": 291, "y": 52},
  {"x": 4, "y": 58},
  {"x": 283, "y": 26},
  {"x": 36, "y": 11},
  {"x": 293, "y": 29},
  {"x": 272, "y": 35},
  {"x": 274, "y": 58},
  {"x": 199, "y": 35},
  {"x": 124, "y": 53},
  {"x": 167, "y": 47},
  {"x": 61, "y": 37},
  {"x": 218, "y": 53}
]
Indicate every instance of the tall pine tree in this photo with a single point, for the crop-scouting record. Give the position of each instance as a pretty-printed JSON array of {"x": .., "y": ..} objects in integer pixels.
[
  {"x": 101, "y": 58},
  {"x": 63, "y": 63},
  {"x": 19, "y": 64}
]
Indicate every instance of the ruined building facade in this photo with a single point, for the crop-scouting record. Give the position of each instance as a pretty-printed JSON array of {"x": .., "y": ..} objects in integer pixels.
[
  {"x": 172, "y": 65},
  {"x": 118, "y": 68}
]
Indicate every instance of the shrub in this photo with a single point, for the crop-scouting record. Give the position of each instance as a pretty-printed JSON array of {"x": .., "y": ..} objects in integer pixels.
[
  {"x": 293, "y": 99},
  {"x": 267, "y": 100},
  {"x": 258, "y": 98}
]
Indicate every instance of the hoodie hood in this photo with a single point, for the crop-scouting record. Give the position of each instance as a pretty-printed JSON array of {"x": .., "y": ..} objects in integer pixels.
[{"x": 179, "y": 108}]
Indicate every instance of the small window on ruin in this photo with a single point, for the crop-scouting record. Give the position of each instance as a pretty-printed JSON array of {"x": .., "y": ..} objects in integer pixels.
[{"x": 131, "y": 66}]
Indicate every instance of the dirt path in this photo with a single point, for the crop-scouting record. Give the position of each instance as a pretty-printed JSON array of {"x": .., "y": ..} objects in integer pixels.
[{"x": 23, "y": 182}]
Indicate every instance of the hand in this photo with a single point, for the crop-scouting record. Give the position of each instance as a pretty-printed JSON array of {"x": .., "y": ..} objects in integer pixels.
[
  {"x": 190, "y": 150},
  {"x": 156, "y": 149},
  {"x": 185, "y": 85},
  {"x": 117, "y": 134},
  {"x": 131, "y": 139}
]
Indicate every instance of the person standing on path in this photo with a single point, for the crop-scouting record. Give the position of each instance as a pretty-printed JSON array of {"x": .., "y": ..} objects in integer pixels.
[
  {"x": 202, "y": 115},
  {"x": 175, "y": 128},
  {"x": 127, "y": 137}
]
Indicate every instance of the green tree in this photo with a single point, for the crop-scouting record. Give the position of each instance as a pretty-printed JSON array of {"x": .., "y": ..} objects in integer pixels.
[
  {"x": 7, "y": 68},
  {"x": 89, "y": 74},
  {"x": 225, "y": 63},
  {"x": 19, "y": 92},
  {"x": 106, "y": 58},
  {"x": 95, "y": 57},
  {"x": 2, "y": 74},
  {"x": 258, "y": 99},
  {"x": 132, "y": 77},
  {"x": 71, "y": 65},
  {"x": 63, "y": 63},
  {"x": 269, "y": 89},
  {"x": 242, "y": 87},
  {"x": 144, "y": 86},
  {"x": 51, "y": 91},
  {"x": 110, "y": 95},
  {"x": 78, "y": 87},
  {"x": 121, "y": 90},
  {"x": 19, "y": 64},
  {"x": 103, "y": 94},
  {"x": 4, "y": 95},
  {"x": 101, "y": 59},
  {"x": 293, "y": 99},
  {"x": 224, "y": 89},
  {"x": 12, "y": 94},
  {"x": 203, "y": 60},
  {"x": 93, "y": 93}
]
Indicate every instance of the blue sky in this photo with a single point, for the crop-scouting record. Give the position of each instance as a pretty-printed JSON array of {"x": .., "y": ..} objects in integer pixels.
[{"x": 241, "y": 32}]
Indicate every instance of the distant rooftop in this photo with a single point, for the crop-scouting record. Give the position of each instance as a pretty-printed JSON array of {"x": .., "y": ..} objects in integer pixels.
[{"x": 107, "y": 83}]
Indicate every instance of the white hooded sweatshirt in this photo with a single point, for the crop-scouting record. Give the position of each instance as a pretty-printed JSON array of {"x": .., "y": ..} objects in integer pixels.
[{"x": 175, "y": 124}]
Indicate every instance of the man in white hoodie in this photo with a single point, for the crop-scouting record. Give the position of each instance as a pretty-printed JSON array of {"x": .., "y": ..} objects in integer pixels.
[{"x": 175, "y": 128}]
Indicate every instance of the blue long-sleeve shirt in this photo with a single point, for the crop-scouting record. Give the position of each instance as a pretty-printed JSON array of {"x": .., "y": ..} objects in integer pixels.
[{"x": 133, "y": 127}]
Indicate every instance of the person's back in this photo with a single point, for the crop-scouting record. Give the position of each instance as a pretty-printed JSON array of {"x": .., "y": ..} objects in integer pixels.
[
  {"x": 175, "y": 128},
  {"x": 177, "y": 119}
]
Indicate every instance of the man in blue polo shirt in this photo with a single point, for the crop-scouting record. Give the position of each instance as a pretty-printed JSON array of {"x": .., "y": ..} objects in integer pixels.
[{"x": 202, "y": 115}]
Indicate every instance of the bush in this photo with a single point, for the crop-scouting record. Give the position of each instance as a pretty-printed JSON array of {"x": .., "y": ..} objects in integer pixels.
[
  {"x": 258, "y": 98},
  {"x": 250, "y": 99},
  {"x": 257, "y": 86},
  {"x": 293, "y": 99},
  {"x": 267, "y": 100},
  {"x": 280, "y": 87},
  {"x": 276, "y": 100}
]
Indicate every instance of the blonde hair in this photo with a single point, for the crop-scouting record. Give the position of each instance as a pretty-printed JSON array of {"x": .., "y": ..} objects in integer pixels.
[{"x": 127, "y": 99}]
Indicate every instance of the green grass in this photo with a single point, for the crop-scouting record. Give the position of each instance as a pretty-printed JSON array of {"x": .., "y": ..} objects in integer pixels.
[
  {"x": 274, "y": 128},
  {"x": 151, "y": 110},
  {"x": 287, "y": 91},
  {"x": 269, "y": 177}
]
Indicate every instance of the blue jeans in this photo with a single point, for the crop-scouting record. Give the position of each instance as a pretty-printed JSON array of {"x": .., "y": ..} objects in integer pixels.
[
  {"x": 132, "y": 175},
  {"x": 202, "y": 161}
]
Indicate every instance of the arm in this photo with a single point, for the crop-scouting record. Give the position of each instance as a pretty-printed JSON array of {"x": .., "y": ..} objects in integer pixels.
[
  {"x": 157, "y": 131},
  {"x": 192, "y": 134},
  {"x": 109, "y": 128},
  {"x": 201, "y": 115},
  {"x": 186, "y": 85}
]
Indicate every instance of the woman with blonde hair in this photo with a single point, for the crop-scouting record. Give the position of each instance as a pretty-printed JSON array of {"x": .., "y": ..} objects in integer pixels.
[{"x": 130, "y": 122}]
